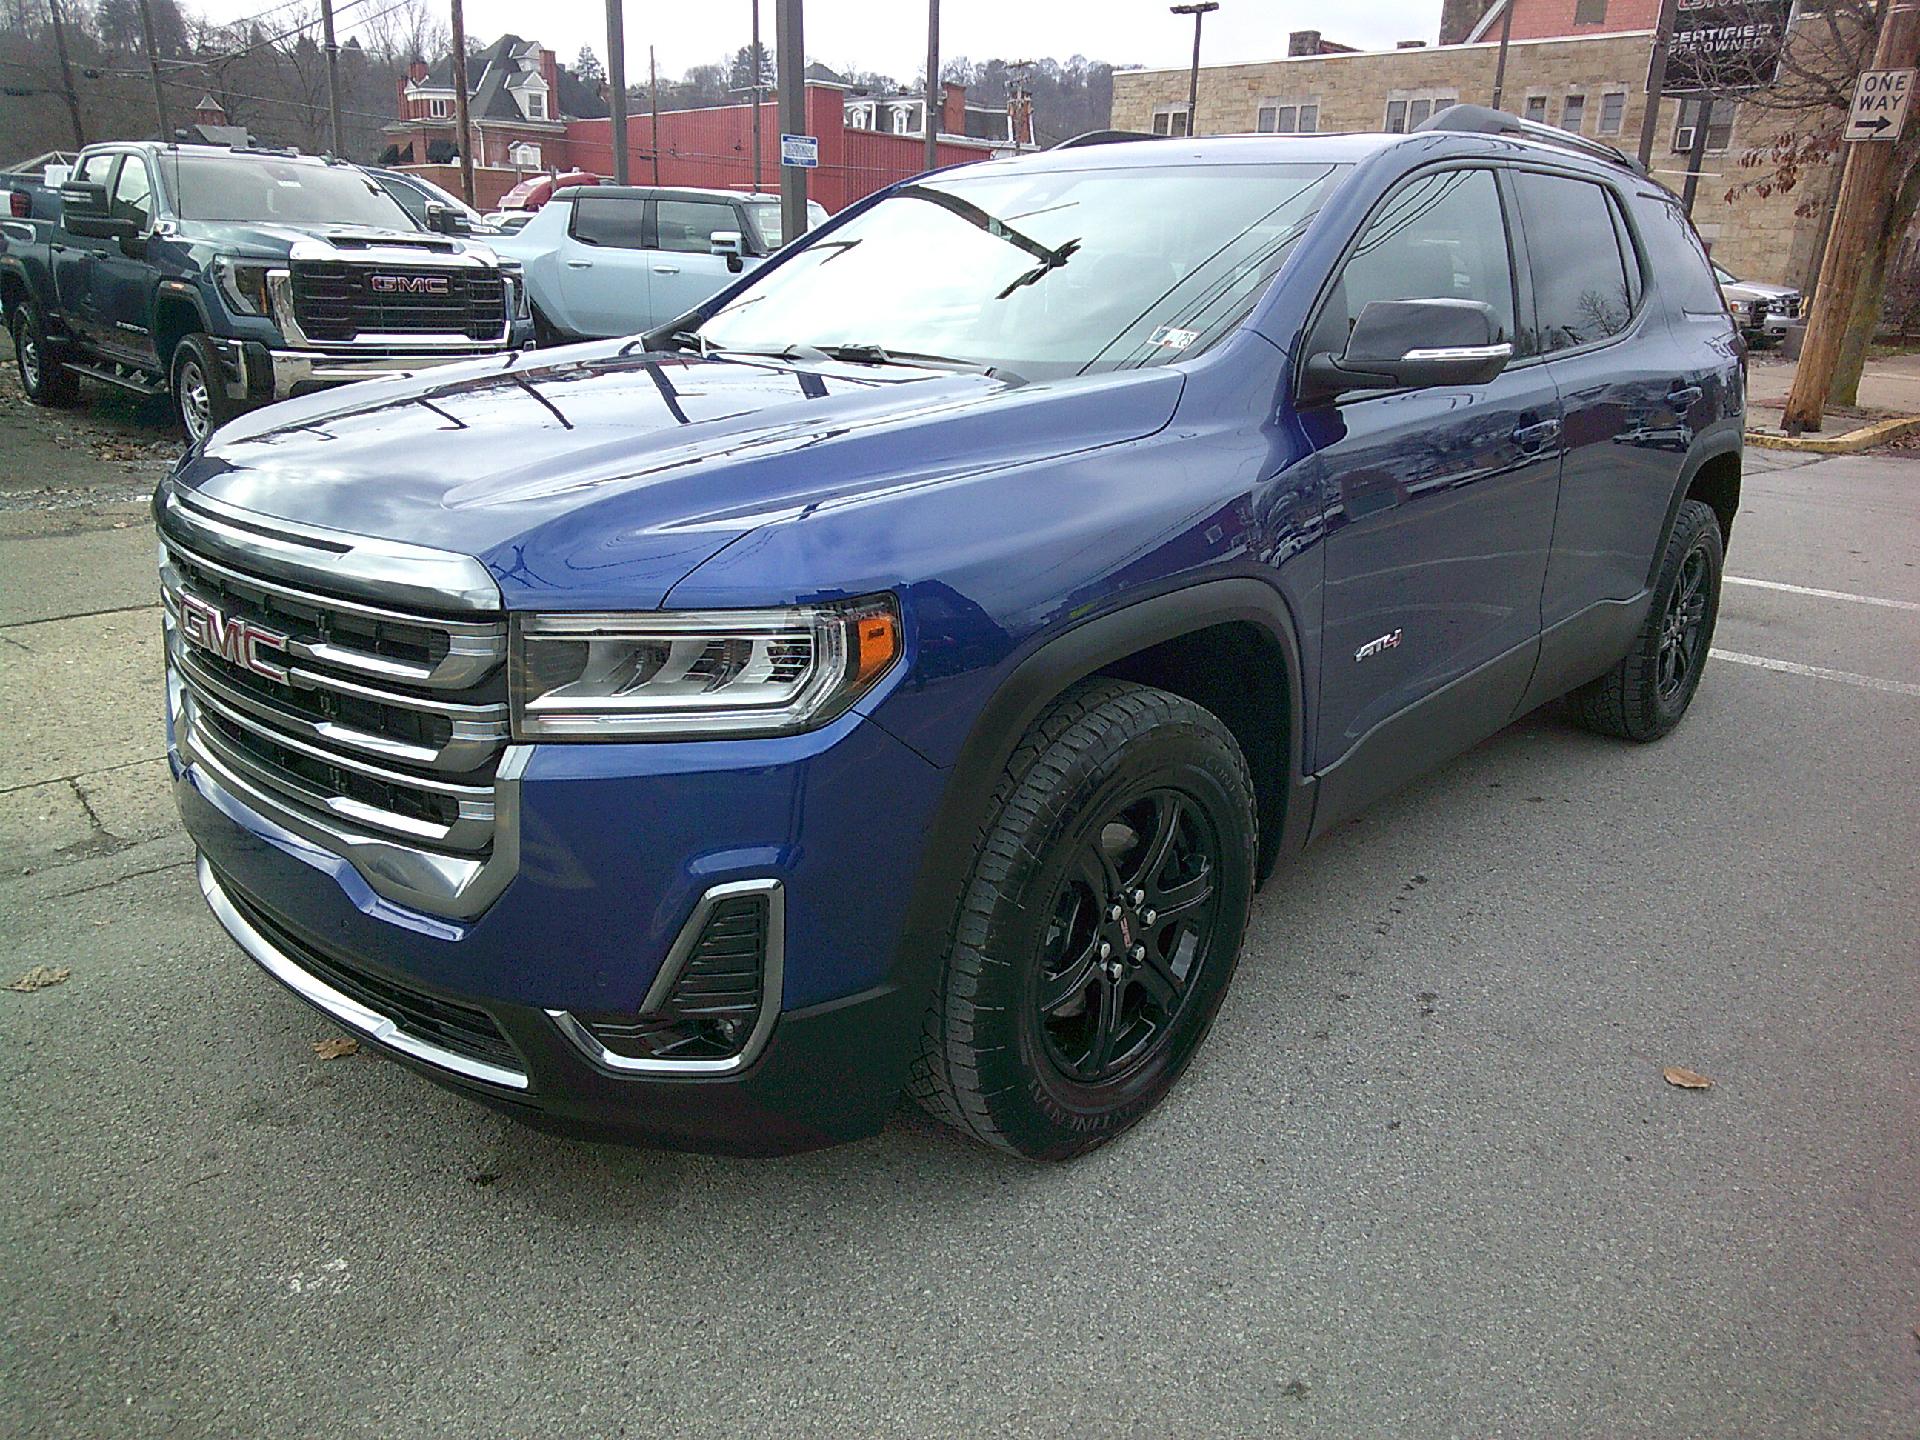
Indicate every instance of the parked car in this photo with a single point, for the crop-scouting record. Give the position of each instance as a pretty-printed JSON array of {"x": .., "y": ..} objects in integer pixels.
[
  {"x": 508, "y": 221},
  {"x": 533, "y": 192},
  {"x": 1762, "y": 311},
  {"x": 617, "y": 259},
  {"x": 228, "y": 278},
  {"x": 898, "y": 674},
  {"x": 430, "y": 207}
]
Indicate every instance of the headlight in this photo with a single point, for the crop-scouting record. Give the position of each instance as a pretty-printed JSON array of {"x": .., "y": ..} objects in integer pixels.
[
  {"x": 244, "y": 284},
  {"x": 697, "y": 673}
]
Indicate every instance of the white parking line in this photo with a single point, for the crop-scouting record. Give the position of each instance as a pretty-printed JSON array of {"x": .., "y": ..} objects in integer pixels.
[
  {"x": 1818, "y": 672},
  {"x": 1823, "y": 594}
]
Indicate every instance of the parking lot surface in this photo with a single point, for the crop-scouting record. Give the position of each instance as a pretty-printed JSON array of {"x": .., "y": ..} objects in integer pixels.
[{"x": 1426, "y": 1178}]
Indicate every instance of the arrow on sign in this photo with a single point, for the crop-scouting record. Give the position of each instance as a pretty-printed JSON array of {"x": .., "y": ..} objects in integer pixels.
[{"x": 1878, "y": 124}]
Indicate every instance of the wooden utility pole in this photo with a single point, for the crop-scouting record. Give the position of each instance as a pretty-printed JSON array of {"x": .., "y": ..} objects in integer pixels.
[
  {"x": 1864, "y": 190},
  {"x": 1500, "y": 65},
  {"x": 1657, "y": 79},
  {"x": 789, "y": 42},
  {"x": 935, "y": 100},
  {"x": 617, "y": 85},
  {"x": 66, "y": 76},
  {"x": 653, "y": 99},
  {"x": 460, "y": 101},
  {"x": 153, "y": 68},
  {"x": 1697, "y": 151},
  {"x": 333, "y": 75},
  {"x": 759, "y": 68}
]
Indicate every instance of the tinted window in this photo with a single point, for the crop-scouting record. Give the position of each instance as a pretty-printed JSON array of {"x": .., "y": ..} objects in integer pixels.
[
  {"x": 1676, "y": 257},
  {"x": 133, "y": 195},
  {"x": 1581, "y": 291},
  {"x": 686, "y": 225},
  {"x": 1439, "y": 237},
  {"x": 610, "y": 221}
]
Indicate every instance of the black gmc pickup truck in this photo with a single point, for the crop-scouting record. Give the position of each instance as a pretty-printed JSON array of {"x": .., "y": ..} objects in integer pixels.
[{"x": 228, "y": 278}]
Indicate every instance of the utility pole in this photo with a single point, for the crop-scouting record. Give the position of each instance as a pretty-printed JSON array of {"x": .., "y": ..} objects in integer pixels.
[
  {"x": 1657, "y": 79},
  {"x": 66, "y": 76},
  {"x": 460, "y": 101},
  {"x": 653, "y": 94},
  {"x": 1500, "y": 66},
  {"x": 1864, "y": 187},
  {"x": 333, "y": 75},
  {"x": 153, "y": 68},
  {"x": 934, "y": 97},
  {"x": 617, "y": 85},
  {"x": 1199, "y": 12},
  {"x": 1697, "y": 151},
  {"x": 791, "y": 46},
  {"x": 759, "y": 71}
]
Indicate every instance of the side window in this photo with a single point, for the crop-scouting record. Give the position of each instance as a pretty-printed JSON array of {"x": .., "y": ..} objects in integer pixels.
[
  {"x": 613, "y": 221},
  {"x": 1581, "y": 291},
  {"x": 1438, "y": 237},
  {"x": 133, "y": 195},
  {"x": 1677, "y": 259},
  {"x": 686, "y": 225},
  {"x": 97, "y": 168}
]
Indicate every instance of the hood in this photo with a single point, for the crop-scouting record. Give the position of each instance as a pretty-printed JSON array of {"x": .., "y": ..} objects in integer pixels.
[
  {"x": 1756, "y": 290},
  {"x": 275, "y": 242},
  {"x": 595, "y": 476}
]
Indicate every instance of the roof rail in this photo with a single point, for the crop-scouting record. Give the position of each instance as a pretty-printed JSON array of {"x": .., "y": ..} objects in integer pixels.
[
  {"x": 1479, "y": 120},
  {"x": 1104, "y": 137}
]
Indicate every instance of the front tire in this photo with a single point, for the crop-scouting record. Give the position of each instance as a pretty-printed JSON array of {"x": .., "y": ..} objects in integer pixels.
[
  {"x": 200, "y": 398},
  {"x": 1643, "y": 697},
  {"x": 1101, "y": 925},
  {"x": 44, "y": 379}
]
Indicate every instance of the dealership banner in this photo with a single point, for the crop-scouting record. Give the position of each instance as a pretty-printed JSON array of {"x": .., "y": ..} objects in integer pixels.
[{"x": 1725, "y": 46}]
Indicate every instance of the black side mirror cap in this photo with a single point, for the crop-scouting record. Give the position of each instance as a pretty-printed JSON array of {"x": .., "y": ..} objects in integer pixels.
[{"x": 1410, "y": 345}]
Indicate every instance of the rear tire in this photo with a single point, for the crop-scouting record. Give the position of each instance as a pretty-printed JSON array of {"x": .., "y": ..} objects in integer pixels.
[
  {"x": 1101, "y": 925},
  {"x": 1643, "y": 697},
  {"x": 44, "y": 379},
  {"x": 200, "y": 399}
]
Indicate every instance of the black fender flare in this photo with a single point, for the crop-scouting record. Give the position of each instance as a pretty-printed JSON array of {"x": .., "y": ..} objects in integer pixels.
[
  {"x": 167, "y": 293},
  {"x": 1696, "y": 461},
  {"x": 12, "y": 267},
  {"x": 1036, "y": 680}
]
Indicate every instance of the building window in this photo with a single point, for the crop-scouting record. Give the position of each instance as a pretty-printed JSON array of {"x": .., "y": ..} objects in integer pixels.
[
  {"x": 536, "y": 107},
  {"x": 1573, "y": 113},
  {"x": 1719, "y": 125},
  {"x": 1277, "y": 119},
  {"x": 1590, "y": 12},
  {"x": 1613, "y": 112},
  {"x": 524, "y": 155},
  {"x": 1410, "y": 113},
  {"x": 1170, "y": 119},
  {"x": 1536, "y": 110},
  {"x": 438, "y": 109}
]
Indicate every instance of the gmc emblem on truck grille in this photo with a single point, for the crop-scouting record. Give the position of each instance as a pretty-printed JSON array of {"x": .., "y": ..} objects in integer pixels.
[
  {"x": 233, "y": 638},
  {"x": 409, "y": 284}
]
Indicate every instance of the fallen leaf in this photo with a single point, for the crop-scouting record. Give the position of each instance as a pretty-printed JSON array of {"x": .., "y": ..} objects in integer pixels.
[
  {"x": 1686, "y": 1079},
  {"x": 40, "y": 977},
  {"x": 333, "y": 1049}
]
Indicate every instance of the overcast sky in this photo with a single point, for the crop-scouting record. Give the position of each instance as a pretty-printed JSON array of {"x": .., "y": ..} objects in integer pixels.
[{"x": 890, "y": 35}]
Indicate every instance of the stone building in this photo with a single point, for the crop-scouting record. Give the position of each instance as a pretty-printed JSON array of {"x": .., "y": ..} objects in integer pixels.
[{"x": 1591, "y": 80}]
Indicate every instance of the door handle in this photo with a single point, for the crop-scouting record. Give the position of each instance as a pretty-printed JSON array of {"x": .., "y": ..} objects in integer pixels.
[
  {"x": 579, "y": 264},
  {"x": 666, "y": 269},
  {"x": 1684, "y": 397},
  {"x": 1537, "y": 436}
]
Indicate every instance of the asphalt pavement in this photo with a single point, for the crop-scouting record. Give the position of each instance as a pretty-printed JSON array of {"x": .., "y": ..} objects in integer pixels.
[{"x": 1425, "y": 1180}]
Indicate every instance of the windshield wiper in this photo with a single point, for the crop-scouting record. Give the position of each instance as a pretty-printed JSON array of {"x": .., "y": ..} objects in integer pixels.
[{"x": 868, "y": 353}]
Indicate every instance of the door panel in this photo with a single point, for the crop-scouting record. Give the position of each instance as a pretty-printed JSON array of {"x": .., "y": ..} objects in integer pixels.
[
  {"x": 685, "y": 271},
  {"x": 76, "y": 260},
  {"x": 122, "y": 284},
  {"x": 604, "y": 272},
  {"x": 1441, "y": 501}
]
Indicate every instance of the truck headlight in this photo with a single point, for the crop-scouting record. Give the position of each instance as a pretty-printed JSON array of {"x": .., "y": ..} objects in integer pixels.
[
  {"x": 687, "y": 674},
  {"x": 244, "y": 285}
]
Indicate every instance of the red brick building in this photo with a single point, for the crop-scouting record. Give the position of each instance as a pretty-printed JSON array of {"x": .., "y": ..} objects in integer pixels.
[
  {"x": 511, "y": 91},
  {"x": 1471, "y": 21}
]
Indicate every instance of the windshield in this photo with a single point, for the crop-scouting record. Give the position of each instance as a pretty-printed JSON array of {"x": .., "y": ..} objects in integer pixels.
[
  {"x": 1044, "y": 273},
  {"x": 224, "y": 187}
]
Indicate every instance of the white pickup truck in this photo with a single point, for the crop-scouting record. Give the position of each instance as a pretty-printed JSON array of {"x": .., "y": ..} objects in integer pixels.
[{"x": 611, "y": 260}]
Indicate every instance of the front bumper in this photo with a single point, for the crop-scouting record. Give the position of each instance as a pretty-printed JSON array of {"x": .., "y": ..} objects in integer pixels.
[{"x": 618, "y": 846}]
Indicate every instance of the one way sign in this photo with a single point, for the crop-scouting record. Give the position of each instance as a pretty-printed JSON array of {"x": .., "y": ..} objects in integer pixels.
[{"x": 1880, "y": 103}]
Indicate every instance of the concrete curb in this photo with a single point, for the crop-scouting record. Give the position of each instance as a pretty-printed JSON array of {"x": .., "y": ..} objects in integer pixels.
[{"x": 1850, "y": 442}]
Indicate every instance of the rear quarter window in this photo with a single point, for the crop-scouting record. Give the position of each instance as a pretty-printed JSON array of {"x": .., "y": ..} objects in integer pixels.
[{"x": 1675, "y": 256}]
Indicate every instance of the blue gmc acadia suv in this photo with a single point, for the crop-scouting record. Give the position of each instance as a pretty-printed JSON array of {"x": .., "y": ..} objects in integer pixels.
[{"x": 897, "y": 673}]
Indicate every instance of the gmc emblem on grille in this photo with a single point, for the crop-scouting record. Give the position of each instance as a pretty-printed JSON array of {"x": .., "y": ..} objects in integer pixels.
[
  {"x": 233, "y": 638},
  {"x": 409, "y": 284}
]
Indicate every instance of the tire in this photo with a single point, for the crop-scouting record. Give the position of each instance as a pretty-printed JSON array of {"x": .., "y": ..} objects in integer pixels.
[
  {"x": 1643, "y": 697},
  {"x": 1036, "y": 1041},
  {"x": 545, "y": 336},
  {"x": 45, "y": 380},
  {"x": 200, "y": 400}
]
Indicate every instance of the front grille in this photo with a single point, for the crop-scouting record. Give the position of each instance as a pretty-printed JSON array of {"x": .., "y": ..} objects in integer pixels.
[
  {"x": 446, "y": 1023},
  {"x": 373, "y": 724},
  {"x": 335, "y": 301}
]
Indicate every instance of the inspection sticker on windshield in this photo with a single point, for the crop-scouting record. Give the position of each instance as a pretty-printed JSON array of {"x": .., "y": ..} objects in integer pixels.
[{"x": 1169, "y": 337}]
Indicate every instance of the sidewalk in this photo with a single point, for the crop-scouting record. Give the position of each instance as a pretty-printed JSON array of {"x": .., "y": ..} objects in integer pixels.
[{"x": 1889, "y": 395}]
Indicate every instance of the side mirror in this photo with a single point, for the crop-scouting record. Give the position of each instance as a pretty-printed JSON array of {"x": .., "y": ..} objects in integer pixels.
[
  {"x": 101, "y": 227},
  {"x": 445, "y": 220},
  {"x": 730, "y": 244},
  {"x": 1412, "y": 345},
  {"x": 80, "y": 198},
  {"x": 133, "y": 246}
]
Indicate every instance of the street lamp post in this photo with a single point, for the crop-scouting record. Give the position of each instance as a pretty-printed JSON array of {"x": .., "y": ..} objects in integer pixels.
[{"x": 1199, "y": 12}]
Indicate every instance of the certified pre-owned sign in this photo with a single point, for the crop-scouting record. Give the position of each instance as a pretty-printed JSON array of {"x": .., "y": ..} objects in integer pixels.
[{"x": 1725, "y": 46}]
